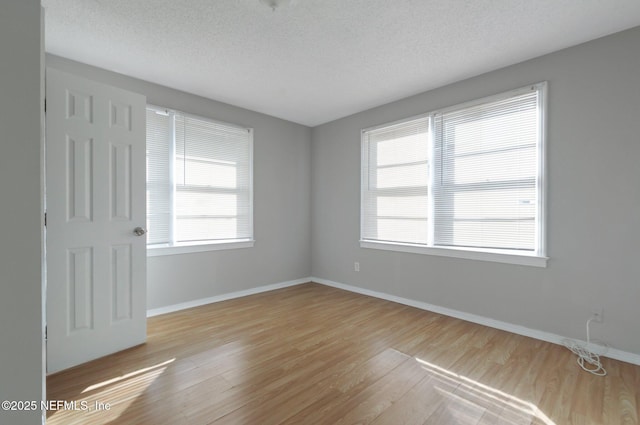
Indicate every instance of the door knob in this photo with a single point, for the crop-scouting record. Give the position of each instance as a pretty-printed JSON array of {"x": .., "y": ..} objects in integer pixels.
[{"x": 139, "y": 231}]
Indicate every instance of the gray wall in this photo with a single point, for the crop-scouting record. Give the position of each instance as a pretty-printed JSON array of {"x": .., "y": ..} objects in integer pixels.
[
  {"x": 21, "y": 355},
  {"x": 593, "y": 202},
  {"x": 282, "y": 181}
]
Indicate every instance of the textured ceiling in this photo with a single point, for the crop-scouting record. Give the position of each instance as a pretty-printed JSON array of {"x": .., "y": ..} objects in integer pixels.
[{"x": 314, "y": 61}]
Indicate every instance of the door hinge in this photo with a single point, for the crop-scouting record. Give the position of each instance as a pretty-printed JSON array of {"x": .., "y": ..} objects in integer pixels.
[
  {"x": 45, "y": 219},
  {"x": 46, "y": 332}
]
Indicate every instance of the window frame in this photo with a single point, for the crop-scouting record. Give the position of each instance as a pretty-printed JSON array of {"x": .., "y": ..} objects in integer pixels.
[
  {"x": 206, "y": 245},
  {"x": 537, "y": 258}
]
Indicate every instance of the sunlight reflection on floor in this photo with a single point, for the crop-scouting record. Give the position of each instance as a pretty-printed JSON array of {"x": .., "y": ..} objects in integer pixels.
[
  {"x": 118, "y": 393},
  {"x": 473, "y": 395},
  {"x": 128, "y": 376}
]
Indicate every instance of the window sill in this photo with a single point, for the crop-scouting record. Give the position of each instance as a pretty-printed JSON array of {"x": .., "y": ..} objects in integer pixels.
[
  {"x": 156, "y": 251},
  {"x": 485, "y": 255}
]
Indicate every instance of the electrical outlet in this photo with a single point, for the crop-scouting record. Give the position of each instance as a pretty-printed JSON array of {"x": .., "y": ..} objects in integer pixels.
[
  {"x": 356, "y": 266},
  {"x": 597, "y": 313}
]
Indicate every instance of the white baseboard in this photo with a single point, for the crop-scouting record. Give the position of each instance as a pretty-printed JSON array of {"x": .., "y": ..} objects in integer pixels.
[
  {"x": 481, "y": 320},
  {"x": 203, "y": 301}
]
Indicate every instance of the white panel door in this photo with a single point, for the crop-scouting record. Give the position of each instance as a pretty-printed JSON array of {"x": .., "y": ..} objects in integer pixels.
[{"x": 95, "y": 198}]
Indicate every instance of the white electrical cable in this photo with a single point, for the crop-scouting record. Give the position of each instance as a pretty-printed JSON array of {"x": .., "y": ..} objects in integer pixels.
[{"x": 587, "y": 359}]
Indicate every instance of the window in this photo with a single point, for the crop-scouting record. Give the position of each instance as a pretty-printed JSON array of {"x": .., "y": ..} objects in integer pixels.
[
  {"x": 465, "y": 181},
  {"x": 199, "y": 182}
]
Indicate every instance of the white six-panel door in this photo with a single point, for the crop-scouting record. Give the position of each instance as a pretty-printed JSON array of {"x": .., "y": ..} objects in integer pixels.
[{"x": 95, "y": 198}]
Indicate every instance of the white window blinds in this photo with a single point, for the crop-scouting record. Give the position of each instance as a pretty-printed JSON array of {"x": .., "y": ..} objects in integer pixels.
[
  {"x": 159, "y": 182},
  {"x": 467, "y": 177},
  {"x": 395, "y": 183},
  {"x": 486, "y": 164},
  {"x": 199, "y": 180}
]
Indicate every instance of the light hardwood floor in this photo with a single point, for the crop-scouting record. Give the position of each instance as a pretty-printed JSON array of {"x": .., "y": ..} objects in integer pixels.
[{"x": 311, "y": 354}]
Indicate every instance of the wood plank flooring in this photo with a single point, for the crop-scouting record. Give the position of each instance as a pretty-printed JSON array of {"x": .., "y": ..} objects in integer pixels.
[{"x": 312, "y": 354}]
